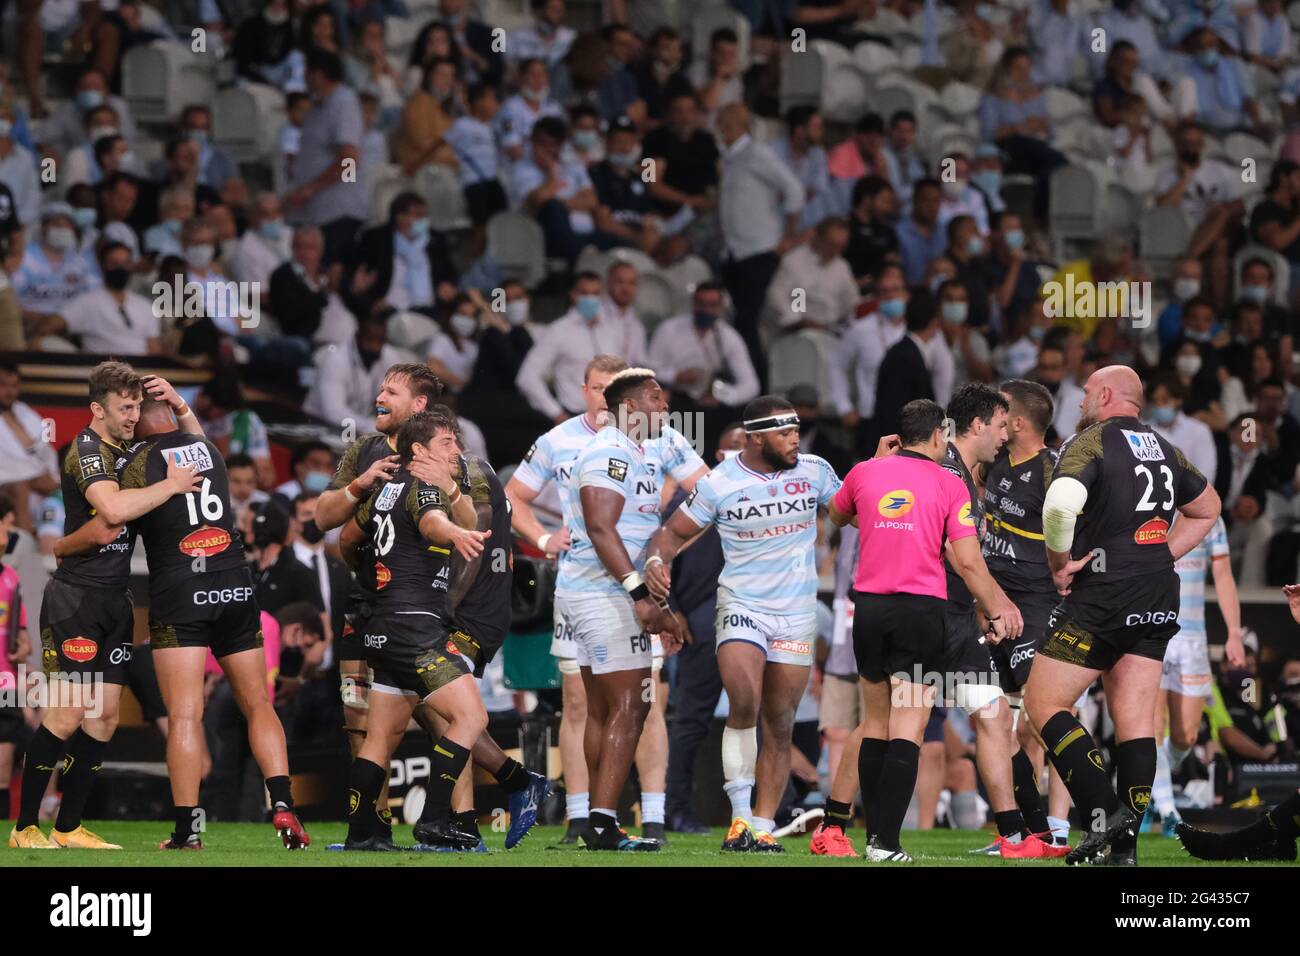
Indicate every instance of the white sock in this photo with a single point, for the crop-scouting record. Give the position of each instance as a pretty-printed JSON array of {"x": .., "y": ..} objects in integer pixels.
[
  {"x": 1162, "y": 788},
  {"x": 652, "y": 807},
  {"x": 577, "y": 806},
  {"x": 739, "y": 758},
  {"x": 764, "y": 825},
  {"x": 1060, "y": 828},
  {"x": 1176, "y": 754}
]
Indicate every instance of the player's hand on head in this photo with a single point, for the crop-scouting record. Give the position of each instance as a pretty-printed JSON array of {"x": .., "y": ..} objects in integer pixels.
[
  {"x": 381, "y": 470},
  {"x": 888, "y": 445},
  {"x": 162, "y": 390}
]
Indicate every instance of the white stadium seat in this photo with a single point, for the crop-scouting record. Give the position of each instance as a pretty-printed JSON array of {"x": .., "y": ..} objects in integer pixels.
[
  {"x": 160, "y": 78},
  {"x": 656, "y": 300},
  {"x": 517, "y": 243},
  {"x": 799, "y": 358},
  {"x": 411, "y": 330},
  {"x": 246, "y": 120},
  {"x": 385, "y": 183},
  {"x": 1077, "y": 192},
  {"x": 441, "y": 189},
  {"x": 1162, "y": 238},
  {"x": 1062, "y": 104}
]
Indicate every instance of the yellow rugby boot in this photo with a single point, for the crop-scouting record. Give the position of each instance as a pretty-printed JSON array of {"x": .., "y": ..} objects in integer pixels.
[{"x": 81, "y": 839}]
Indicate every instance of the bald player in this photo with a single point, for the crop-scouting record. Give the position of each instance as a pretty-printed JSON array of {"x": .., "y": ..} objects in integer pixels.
[{"x": 1107, "y": 520}]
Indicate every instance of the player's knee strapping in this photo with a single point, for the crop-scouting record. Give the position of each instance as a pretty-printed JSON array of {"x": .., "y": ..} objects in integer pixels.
[
  {"x": 355, "y": 692},
  {"x": 1075, "y": 755}
]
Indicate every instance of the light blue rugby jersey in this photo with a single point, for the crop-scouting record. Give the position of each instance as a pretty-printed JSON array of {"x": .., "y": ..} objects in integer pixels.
[
  {"x": 1192, "y": 568},
  {"x": 552, "y": 458},
  {"x": 768, "y": 526},
  {"x": 613, "y": 461}
]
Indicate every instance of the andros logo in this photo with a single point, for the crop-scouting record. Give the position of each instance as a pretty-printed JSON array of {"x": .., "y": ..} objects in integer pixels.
[{"x": 895, "y": 504}]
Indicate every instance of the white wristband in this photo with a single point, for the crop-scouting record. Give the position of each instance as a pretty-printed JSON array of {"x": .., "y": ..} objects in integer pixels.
[
  {"x": 541, "y": 542},
  {"x": 347, "y": 490},
  {"x": 653, "y": 559},
  {"x": 631, "y": 581}
]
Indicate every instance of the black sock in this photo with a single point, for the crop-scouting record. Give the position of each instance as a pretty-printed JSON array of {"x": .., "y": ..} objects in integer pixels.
[
  {"x": 1028, "y": 799},
  {"x": 838, "y": 814},
  {"x": 1284, "y": 819},
  {"x": 185, "y": 824},
  {"x": 4, "y": 803},
  {"x": 449, "y": 759},
  {"x": 278, "y": 788},
  {"x": 1135, "y": 763},
  {"x": 897, "y": 781},
  {"x": 511, "y": 776},
  {"x": 466, "y": 820},
  {"x": 871, "y": 762},
  {"x": 80, "y": 770},
  {"x": 385, "y": 820},
  {"x": 1010, "y": 823},
  {"x": 43, "y": 755},
  {"x": 364, "y": 784},
  {"x": 1076, "y": 758},
  {"x": 600, "y": 822}
]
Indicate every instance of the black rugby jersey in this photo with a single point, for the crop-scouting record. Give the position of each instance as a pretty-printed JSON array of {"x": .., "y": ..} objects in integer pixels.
[
  {"x": 408, "y": 572},
  {"x": 361, "y": 454},
  {"x": 1136, "y": 481},
  {"x": 89, "y": 459},
  {"x": 1013, "y": 533},
  {"x": 958, "y": 594},
  {"x": 484, "y": 611}
]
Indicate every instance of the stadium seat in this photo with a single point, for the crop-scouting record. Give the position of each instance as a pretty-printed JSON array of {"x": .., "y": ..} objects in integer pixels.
[
  {"x": 246, "y": 119},
  {"x": 160, "y": 78},
  {"x": 1121, "y": 210},
  {"x": 1281, "y": 269},
  {"x": 847, "y": 94},
  {"x": 385, "y": 183},
  {"x": 656, "y": 300},
  {"x": 516, "y": 242},
  {"x": 441, "y": 189},
  {"x": 400, "y": 34},
  {"x": 411, "y": 330},
  {"x": 713, "y": 18},
  {"x": 799, "y": 358},
  {"x": 1076, "y": 204},
  {"x": 959, "y": 100},
  {"x": 1062, "y": 104},
  {"x": 1240, "y": 146},
  {"x": 1163, "y": 234},
  {"x": 875, "y": 58},
  {"x": 806, "y": 78}
]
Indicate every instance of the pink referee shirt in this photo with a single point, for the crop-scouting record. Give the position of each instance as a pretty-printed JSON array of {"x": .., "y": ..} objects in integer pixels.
[
  {"x": 8, "y": 590},
  {"x": 907, "y": 506}
]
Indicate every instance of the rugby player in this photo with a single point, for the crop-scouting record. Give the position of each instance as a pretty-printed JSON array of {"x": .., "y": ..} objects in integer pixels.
[
  {"x": 1185, "y": 679},
  {"x": 370, "y": 460},
  {"x": 1120, "y": 607},
  {"x": 764, "y": 502},
  {"x": 87, "y": 614},
  {"x": 979, "y": 419},
  {"x": 201, "y": 598},
  {"x": 550, "y": 462},
  {"x": 1014, "y": 486},
  {"x": 411, "y": 526},
  {"x": 906, "y": 507},
  {"x": 480, "y": 602},
  {"x": 614, "y": 502}
]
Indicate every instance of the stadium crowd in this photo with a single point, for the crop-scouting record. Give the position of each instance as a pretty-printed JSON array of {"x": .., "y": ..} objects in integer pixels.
[{"x": 506, "y": 191}]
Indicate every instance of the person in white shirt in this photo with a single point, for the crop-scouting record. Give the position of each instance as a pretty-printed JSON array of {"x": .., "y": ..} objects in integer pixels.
[
  {"x": 701, "y": 356},
  {"x": 1165, "y": 395},
  {"x": 18, "y": 171},
  {"x": 618, "y": 305},
  {"x": 814, "y": 286},
  {"x": 110, "y": 320},
  {"x": 175, "y": 208},
  {"x": 960, "y": 198},
  {"x": 862, "y": 348},
  {"x": 551, "y": 184},
  {"x": 547, "y": 39},
  {"x": 349, "y": 376},
  {"x": 29, "y": 468},
  {"x": 453, "y": 351},
  {"x": 241, "y": 473},
  {"x": 66, "y": 130},
  {"x": 968, "y": 346},
  {"x": 199, "y": 249},
  {"x": 902, "y": 160},
  {"x": 561, "y": 353},
  {"x": 514, "y": 122},
  {"x": 265, "y": 245},
  {"x": 53, "y": 272},
  {"x": 717, "y": 80}
]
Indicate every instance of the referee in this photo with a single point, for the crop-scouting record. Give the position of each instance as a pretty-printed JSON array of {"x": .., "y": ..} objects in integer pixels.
[{"x": 905, "y": 507}]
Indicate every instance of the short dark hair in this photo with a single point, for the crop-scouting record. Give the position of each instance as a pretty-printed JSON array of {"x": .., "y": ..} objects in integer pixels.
[
  {"x": 1258, "y": 261},
  {"x": 6, "y": 505},
  {"x": 926, "y": 182},
  {"x": 869, "y": 123},
  {"x": 419, "y": 379},
  {"x": 975, "y": 400},
  {"x": 113, "y": 378},
  {"x": 1056, "y": 336},
  {"x": 111, "y": 246},
  {"x": 584, "y": 275},
  {"x": 449, "y": 413},
  {"x": 552, "y": 127},
  {"x": 708, "y": 285},
  {"x": 477, "y": 91},
  {"x": 722, "y": 35},
  {"x": 954, "y": 223},
  {"x": 918, "y": 420},
  {"x": 8, "y": 367},
  {"x": 797, "y": 116},
  {"x": 1169, "y": 381},
  {"x": 403, "y": 203},
  {"x": 765, "y": 406},
  {"x": 624, "y": 384},
  {"x": 902, "y": 116},
  {"x": 239, "y": 460},
  {"x": 305, "y": 448},
  {"x": 922, "y": 307},
  {"x": 323, "y": 61},
  {"x": 419, "y": 428},
  {"x": 303, "y": 613},
  {"x": 1031, "y": 400},
  {"x": 868, "y": 186},
  {"x": 300, "y": 497}
]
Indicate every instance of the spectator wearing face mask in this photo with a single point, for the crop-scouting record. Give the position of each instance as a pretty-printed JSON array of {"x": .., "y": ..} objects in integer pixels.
[
  {"x": 1009, "y": 274},
  {"x": 265, "y": 244},
  {"x": 110, "y": 320},
  {"x": 1224, "y": 91},
  {"x": 306, "y": 685},
  {"x": 625, "y": 208},
  {"x": 520, "y": 113},
  {"x": 1242, "y": 716},
  {"x": 1166, "y": 395},
  {"x": 872, "y": 240},
  {"x": 547, "y": 38},
  {"x": 216, "y": 169},
  {"x": 53, "y": 272},
  {"x": 961, "y": 197},
  {"x": 17, "y": 176},
  {"x": 584, "y": 136},
  {"x": 176, "y": 207},
  {"x": 279, "y": 578},
  {"x": 855, "y": 363},
  {"x": 474, "y": 142},
  {"x": 966, "y": 248},
  {"x": 972, "y": 357},
  {"x": 312, "y": 467},
  {"x": 307, "y": 542},
  {"x": 402, "y": 265},
  {"x": 349, "y": 375},
  {"x": 66, "y": 130},
  {"x": 1257, "y": 285},
  {"x": 662, "y": 77},
  {"x": 1186, "y": 285},
  {"x": 454, "y": 349}
]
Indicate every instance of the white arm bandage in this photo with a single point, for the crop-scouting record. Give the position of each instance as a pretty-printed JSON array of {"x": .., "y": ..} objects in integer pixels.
[{"x": 1065, "y": 499}]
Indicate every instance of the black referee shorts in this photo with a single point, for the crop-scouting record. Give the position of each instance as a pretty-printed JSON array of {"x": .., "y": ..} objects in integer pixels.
[
  {"x": 1097, "y": 624},
  {"x": 898, "y": 634}
]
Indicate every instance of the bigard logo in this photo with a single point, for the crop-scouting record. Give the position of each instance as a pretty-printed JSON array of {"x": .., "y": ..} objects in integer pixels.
[
  {"x": 1154, "y": 531},
  {"x": 80, "y": 649},
  {"x": 205, "y": 542}
]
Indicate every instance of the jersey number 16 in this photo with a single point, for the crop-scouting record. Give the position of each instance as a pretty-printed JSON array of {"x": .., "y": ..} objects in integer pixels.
[{"x": 209, "y": 504}]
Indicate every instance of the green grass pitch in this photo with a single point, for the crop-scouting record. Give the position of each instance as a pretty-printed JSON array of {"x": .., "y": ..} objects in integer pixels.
[{"x": 256, "y": 844}]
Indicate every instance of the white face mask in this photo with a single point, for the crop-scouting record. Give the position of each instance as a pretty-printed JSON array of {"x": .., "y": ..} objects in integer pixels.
[
  {"x": 200, "y": 256},
  {"x": 464, "y": 325},
  {"x": 1185, "y": 288},
  {"x": 1188, "y": 365},
  {"x": 60, "y": 237},
  {"x": 99, "y": 132},
  {"x": 730, "y": 453},
  {"x": 536, "y": 96},
  {"x": 517, "y": 312}
]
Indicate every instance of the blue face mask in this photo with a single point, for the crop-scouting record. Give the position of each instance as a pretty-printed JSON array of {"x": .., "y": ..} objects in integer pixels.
[
  {"x": 974, "y": 246},
  {"x": 954, "y": 312},
  {"x": 420, "y": 229},
  {"x": 316, "y": 481},
  {"x": 271, "y": 230},
  {"x": 89, "y": 99},
  {"x": 173, "y": 226},
  {"x": 1014, "y": 238},
  {"x": 1208, "y": 58},
  {"x": 1036, "y": 332},
  {"x": 84, "y": 216},
  {"x": 1256, "y": 293},
  {"x": 892, "y": 308},
  {"x": 1164, "y": 414},
  {"x": 988, "y": 180},
  {"x": 588, "y": 306},
  {"x": 1198, "y": 336},
  {"x": 585, "y": 138},
  {"x": 199, "y": 136}
]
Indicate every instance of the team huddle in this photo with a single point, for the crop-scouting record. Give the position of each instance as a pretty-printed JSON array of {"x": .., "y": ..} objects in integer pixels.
[{"x": 993, "y": 575}]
